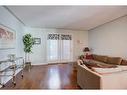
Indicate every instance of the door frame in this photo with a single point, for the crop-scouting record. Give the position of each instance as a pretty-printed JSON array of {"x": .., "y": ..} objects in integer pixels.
[{"x": 60, "y": 59}]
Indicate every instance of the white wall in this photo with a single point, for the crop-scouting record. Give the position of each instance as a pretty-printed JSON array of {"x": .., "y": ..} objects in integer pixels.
[
  {"x": 7, "y": 19},
  {"x": 110, "y": 39},
  {"x": 39, "y": 51}
]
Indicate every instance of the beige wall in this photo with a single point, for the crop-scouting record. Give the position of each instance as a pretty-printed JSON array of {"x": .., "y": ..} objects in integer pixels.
[
  {"x": 39, "y": 55},
  {"x": 110, "y": 39}
]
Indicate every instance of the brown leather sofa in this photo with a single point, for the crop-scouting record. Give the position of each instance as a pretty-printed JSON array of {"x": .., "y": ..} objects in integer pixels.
[{"x": 104, "y": 75}]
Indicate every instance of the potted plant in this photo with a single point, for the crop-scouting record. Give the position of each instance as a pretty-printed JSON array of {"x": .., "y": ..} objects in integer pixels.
[{"x": 28, "y": 42}]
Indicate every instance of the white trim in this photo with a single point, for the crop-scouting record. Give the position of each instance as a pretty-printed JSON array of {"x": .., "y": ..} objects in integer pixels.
[
  {"x": 36, "y": 64},
  {"x": 39, "y": 63}
]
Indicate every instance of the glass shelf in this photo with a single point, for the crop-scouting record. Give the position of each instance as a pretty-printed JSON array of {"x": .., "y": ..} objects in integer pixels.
[{"x": 17, "y": 63}]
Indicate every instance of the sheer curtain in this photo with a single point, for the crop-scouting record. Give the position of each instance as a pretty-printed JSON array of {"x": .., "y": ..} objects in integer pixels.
[{"x": 59, "y": 48}]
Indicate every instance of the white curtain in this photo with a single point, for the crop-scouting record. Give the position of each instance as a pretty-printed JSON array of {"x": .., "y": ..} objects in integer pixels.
[{"x": 59, "y": 48}]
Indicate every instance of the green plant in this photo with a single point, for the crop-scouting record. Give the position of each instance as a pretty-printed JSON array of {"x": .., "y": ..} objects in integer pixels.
[{"x": 28, "y": 42}]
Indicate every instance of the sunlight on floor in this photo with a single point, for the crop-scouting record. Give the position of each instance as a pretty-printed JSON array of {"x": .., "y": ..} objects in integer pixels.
[{"x": 54, "y": 81}]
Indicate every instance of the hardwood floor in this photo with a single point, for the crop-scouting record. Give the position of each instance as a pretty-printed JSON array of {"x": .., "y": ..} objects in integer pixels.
[{"x": 58, "y": 76}]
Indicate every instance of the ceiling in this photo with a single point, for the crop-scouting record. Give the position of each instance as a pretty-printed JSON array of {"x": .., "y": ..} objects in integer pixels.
[{"x": 67, "y": 17}]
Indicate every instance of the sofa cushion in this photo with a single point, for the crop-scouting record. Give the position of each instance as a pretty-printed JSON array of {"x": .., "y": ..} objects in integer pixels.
[
  {"x": 114, "y": 60},
  {"x": 106, "y": 70},
  {"x": 122, "y": 67},
  {"x": 100, "y": 58},
  {"x": 94, "y": 63},
  {"x": 124, "y": 62}
]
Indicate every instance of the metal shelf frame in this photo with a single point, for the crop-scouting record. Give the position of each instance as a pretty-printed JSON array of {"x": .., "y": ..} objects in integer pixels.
[{"x": 17, "y": 63}]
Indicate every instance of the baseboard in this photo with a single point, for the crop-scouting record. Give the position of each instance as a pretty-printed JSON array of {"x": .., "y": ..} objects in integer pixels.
[
  {"x": 52, "y": 63},
  {"x": 39, "y": 63}
]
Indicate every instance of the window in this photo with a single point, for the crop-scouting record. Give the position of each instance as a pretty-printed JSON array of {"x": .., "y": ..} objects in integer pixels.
[{"x": 59, "y": 48}]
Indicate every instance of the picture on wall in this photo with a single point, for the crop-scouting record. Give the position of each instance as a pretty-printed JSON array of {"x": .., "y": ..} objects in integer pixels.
[
  {"x": 7, "y": 38},
  {"x": 37, "y": 40}
]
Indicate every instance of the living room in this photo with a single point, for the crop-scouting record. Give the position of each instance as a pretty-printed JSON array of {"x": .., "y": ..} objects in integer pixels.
[{"x": 60, "y": 34}]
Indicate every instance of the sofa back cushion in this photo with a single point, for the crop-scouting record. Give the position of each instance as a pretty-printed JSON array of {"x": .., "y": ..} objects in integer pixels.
[
  {"x": 94, "y": 56},
  {"x": 114, "y": 60},
  {"x": 100, "y": 58},
  {"x": 106, "y": 70},
  {"x": 124, "y": 62}
]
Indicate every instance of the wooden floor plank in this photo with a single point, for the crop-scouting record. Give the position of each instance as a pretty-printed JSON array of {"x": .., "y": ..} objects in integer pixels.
[{"x": 57, "y": 76}]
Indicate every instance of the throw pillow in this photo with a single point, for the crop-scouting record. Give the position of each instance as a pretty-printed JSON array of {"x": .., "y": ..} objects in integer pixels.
[
  {"x": 124, "y": 62},
  {"x": 89, "y": 56}
]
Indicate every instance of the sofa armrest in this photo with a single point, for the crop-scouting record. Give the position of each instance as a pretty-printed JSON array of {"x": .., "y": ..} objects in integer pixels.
[{"x": 86, "y": 78}]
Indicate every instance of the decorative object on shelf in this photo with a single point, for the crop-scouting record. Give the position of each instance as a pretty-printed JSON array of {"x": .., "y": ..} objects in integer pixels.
[
  {"x": 7, "y": 37},
  {"x": 28, "y": 41},
  {"x": 37, "y": 40},
  {"x": 11, "y": 57}
]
